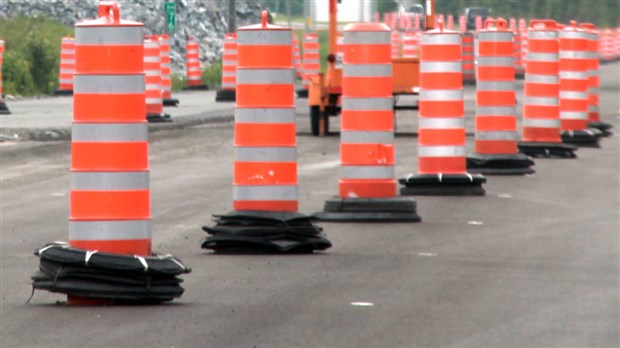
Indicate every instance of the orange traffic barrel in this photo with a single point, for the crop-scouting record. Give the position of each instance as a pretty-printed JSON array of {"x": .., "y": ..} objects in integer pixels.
[
  {"x": 297, "y": 58},
  {"x": 367, "y": 189},
  {"x": 522, "y": 28},
  {"x": 311, "y": 64},
  {"x": 416, "y": 22},
  {"x": 395, "y": 43},
  {"x": 110, "y": 196},
  {"x": 594, "y": 81},
  {"x": 516, "y": 34},
  {"x": 4, "y": 110},
  {"x": 110, "y": 208},
  {"x": 166, "y": 70},
  {"x": 411, "y": 40},
  {"x": 462, "y": 24},
  {"x": 541, "y": 92},
  {"x": 496, "y": 121},
  {"x": 606, "y": 44},
  {"x": 108, "y": 258},
  {"x": 450, "y": 22},
  {"x": 227, "y": 92},
  {"x": 441, "y": 136},
  {"x": 192, "y": 66},
  {"x": 574, "y": 82},
  {"x": 152, "y": 79},
  {"x": 468, "y": 66},
  {"x": 265, "y": 188},
  {"x": 67, "y": 66}
]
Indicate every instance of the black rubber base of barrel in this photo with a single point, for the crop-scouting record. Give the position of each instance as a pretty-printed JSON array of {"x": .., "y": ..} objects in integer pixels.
[
  {"x": 443, "y": 185},
  {"x": 604, "y": 127},
  {"x": 509, "y": 164},
  {"x": 171, "y": 102},
  {"x": 63, "y": 92},
  {"x": 196, "y": 88},
  {"x": 264, "y": 232},
  {"x": 158, "y": 118},
  {"x": 392, "y": 209},
  {"x": 225, "y": 95},
  {"x": 547, "y": 150},
  {"x": 4, "y": 110},
  {"x": 112, "y": 278},
  {"x": 582, "y": 138},
  {"x": 302, "y": 93}
]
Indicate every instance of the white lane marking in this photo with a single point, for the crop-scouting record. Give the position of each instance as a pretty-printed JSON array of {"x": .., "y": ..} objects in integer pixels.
[
  {"x": 477, "y": 223},
  {"x": 504, "y": 195},
  {"x": 58, "y": 194},
  {"x": 321, "y": 166},
  {"x": 362, "y": 304},
  {"x": 427, "y": 254}
]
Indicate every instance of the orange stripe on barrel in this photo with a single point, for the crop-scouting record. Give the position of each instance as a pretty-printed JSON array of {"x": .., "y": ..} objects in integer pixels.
[
  {"x": 109, "y": 156},
  {"x": 265, "y": 95},
  {"x": 115, "y": 108},
  {"x": 269, "y": 134},
  {"x": 266, "y": 205},
  {"x": 109, "y": 59},
  {"x": 367, "y": 188},
  {"x": 367, "y": 54},
  {"x": 110, "y": 205},
  {"x": 276, "y": 56},
  {"x": 371, "y": 120},
  {"x": 440, "y": 137},
  {"x": 141, "y": 247},
  {"x": 367, "y": 154},
  {"x": 445, "y": 165},
  {"x": 367, "y": 86},
  {"x": 265, "y": 173}
]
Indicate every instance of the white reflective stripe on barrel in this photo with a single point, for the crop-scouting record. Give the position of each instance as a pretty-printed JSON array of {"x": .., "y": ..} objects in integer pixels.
[
  {"x": 366, "y": 172},
  {"x": 545, "y": 79},
  {"x": 573, "y": 95},
  {"x": 542, "y": 57},
  {"x": 541, "y": 123},
  {"x": 496, "y": 135},
  {"x": 441, "y": 151},
  {"x": 367, "y": 70},
  {"x": 441, "y": 123},
  {"x": 264, "y": 37},
  {"x": 573, "y": 115},
  {"x": 574, "y": 75},
  {"x": 495, "y": 61},
  {"x": 573, "y": 54},
  {"x": 265, "y": 154},
  {"x": 483, "y": 111},
  {"x": 495, "y": 37},
  {"x": 367, "y": 38},
  {"x": 109, "y": 230},
  {"x": 495, "y": 86},
  {"x": 440, "y": 67},
  {"x": 367, "y": 104},
  {"x": 441, "y": 39},
  {"x": 544, "y": 101},
  {"x": 366, "y": 137},
  {"x": 265, "y": 76},
  {"x": 441, "y": 95},
  {"x": 542, "y": 35},
  {"x": 109, "y": 132},
  {"x": 108, "y": 36},
  {"x": 265, "y": 115},
  {"x": 265, "y": 193},
  {"x": 109, "y": 181},
  {"x": 109, "y": 84}
]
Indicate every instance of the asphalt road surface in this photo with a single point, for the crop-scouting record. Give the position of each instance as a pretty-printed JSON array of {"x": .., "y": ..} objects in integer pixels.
[{"x": 534, "y": 263}]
